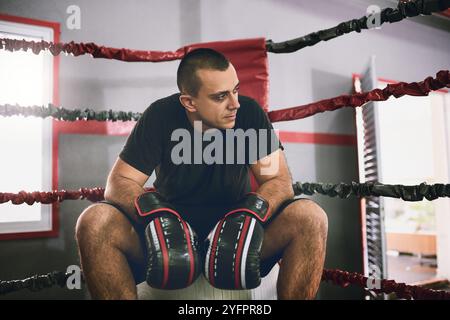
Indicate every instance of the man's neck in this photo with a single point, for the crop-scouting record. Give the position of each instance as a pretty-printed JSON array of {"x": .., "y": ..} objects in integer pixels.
[{"x": 193, "y": 117}]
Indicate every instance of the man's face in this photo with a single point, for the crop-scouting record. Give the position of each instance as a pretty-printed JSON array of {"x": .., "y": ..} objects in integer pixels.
[{"x": 217, "y": 103}]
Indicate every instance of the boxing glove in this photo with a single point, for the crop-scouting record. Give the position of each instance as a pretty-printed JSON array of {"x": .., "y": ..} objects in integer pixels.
[
  {"x": 172, "y": 245},
  {"x": 233, "y": 247}
]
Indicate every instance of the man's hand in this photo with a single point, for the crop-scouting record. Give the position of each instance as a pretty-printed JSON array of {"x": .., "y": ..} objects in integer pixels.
[{"x": 234, "y": 245}]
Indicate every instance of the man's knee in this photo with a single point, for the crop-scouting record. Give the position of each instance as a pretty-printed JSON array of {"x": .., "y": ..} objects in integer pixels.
[
  {"x": 306, "y": 216},
  {"x": 97, "y": 221},
  {"x": 102, "y": 228}
]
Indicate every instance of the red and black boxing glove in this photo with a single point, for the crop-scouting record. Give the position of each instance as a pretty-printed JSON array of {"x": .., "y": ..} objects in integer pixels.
[
  {"x": 233, "y": 248},
  {"x": 172, "y": 245}
]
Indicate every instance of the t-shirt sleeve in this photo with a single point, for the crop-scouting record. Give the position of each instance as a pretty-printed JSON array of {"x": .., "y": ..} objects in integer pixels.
[
  {"x": 268, "y": 141},
  {"x": 143, "y": 149}
]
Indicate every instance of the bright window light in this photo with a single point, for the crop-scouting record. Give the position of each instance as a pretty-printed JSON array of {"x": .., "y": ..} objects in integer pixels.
[
  {"x": 21, "y": 138},
  {"x": 25, "y": 80}
]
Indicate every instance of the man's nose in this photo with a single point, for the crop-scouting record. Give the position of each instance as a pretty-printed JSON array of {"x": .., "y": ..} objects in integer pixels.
[{"x": 234, "y": 102}]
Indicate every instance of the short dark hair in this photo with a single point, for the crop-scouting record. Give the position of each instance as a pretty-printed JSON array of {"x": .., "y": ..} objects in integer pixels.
[{"x": 202, "y": 58}]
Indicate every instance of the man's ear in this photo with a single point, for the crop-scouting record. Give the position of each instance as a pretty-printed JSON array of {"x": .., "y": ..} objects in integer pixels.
[{"x": 187, "y": 102}]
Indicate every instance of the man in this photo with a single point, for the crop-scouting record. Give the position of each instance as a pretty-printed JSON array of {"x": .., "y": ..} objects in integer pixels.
[{"x": 121, "y": 239}]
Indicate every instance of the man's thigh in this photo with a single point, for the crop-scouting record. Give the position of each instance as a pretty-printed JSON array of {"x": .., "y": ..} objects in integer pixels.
[
  {"x": 135, "y": 251},
  {"x": 276, "y": 235}
]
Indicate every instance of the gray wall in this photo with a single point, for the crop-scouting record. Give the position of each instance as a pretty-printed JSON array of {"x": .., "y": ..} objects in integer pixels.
[{"x": 406, "y": 51}]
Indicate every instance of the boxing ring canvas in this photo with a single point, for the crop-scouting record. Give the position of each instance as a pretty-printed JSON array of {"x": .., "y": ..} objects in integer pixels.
[{"x": 202, "y": 290}]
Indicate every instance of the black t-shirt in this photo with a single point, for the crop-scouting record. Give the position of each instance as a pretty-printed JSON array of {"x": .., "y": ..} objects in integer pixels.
[{"x": 155, "y": 145}]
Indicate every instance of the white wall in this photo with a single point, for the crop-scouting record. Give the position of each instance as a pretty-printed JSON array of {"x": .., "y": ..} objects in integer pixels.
[{"x": 441, "y": 152}]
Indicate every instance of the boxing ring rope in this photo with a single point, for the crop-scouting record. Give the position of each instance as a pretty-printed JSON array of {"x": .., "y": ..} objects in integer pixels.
[
  {"x": 422, "y": 88},
  {"x": 336, "y": 276},
  {"x": 339, "y": 277},
  {"x": 397, "y": 90},
  {"x": 401, "y": 290},
  {"x": 36, "y": 282},
  {"x": 404, "y": 9},
  {"x": 341, "y": 190}
]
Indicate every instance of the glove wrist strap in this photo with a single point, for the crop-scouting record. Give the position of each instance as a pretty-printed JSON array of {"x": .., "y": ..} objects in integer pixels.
[
  {"x": 253, "y": 204},
  {"x": 150, "y": 203}
]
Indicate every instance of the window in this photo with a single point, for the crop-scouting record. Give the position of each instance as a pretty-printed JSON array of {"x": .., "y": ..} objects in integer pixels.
[
  {"x": 26, "y": 161},
  {"x": 405, "y": 141}
]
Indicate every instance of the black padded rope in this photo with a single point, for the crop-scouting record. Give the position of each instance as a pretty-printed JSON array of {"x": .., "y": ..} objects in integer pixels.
[
  {"x": 35, "y": 282},
  {"x": 341, "y": 190},
  {"x": 60, "y": 113},
  {"x": 344, "y": 190},
  {"x": 404, "y": 10},
  {"x": 336, "y": 276}
]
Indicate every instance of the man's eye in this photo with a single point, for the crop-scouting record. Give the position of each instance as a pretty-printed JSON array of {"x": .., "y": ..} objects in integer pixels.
[{"x": 221, "y": 97}]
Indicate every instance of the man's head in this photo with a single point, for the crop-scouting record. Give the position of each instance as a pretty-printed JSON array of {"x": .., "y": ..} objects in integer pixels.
[{"x": 209, "y": 88}]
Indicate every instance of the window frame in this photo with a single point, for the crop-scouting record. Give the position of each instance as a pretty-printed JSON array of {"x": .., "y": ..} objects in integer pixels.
[
  {"x": 356, "y": 79},
  {"x": 52, "y": 216}
]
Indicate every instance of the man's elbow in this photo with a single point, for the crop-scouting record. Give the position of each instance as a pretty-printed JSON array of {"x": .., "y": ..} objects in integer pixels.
[
  {"x": 108, "y": 195},
  {"x": 289, "y": 189},
  {"x": 284, "y": 184},
  {"x": 110, "y": 189}
]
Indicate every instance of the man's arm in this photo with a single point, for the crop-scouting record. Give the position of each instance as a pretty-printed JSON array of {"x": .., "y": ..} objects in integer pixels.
[
  {"x": 274, "y": 179},
  {"x": 124, "y": 184}
]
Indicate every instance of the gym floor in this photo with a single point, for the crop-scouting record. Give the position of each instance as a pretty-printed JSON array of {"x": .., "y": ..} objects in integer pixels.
[{"x": 411, "y": 268}]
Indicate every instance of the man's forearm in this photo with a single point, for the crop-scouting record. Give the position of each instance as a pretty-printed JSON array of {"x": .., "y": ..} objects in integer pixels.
[
  {"x": 122, "y": 191},
  {"x": 275, "y": 191}
]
